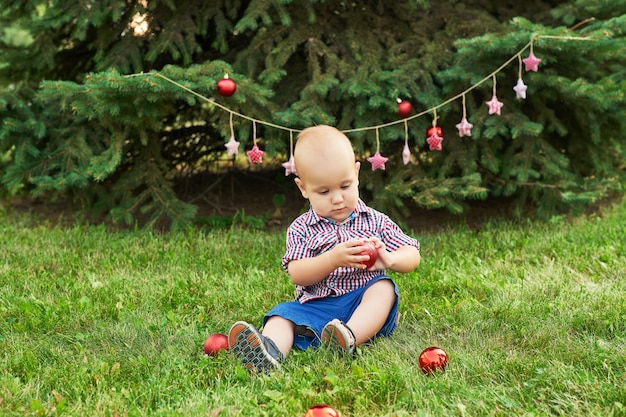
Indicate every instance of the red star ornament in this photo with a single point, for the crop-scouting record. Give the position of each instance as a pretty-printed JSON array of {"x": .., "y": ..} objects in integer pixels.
[
  {"x": 255, "y": 155},
  {"x": 290, "y": 166},
  {"x": 494, "y": 105},
  {"x": 531, "y": 63},
  {"x": 434, "y": 142},
  {"x": 377, "y": 161}
]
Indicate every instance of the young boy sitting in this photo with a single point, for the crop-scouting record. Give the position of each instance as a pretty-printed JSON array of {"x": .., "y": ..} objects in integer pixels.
[{"x": 338, "y": 301}]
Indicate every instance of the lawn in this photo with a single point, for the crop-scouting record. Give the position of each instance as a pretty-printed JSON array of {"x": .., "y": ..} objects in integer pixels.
[{"x": 102, "y": 323}]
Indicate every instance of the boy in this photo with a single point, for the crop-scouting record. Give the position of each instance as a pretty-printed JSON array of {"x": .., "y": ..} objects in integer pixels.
[{"x": 338, "y": 301}]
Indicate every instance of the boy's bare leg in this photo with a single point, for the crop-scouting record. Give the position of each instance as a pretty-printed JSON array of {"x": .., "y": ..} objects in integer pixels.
[
  {"x": 371, "y": 315},
  {"x": 281, "y": 331}
]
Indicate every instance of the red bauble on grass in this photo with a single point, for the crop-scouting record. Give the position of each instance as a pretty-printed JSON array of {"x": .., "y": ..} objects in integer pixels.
[
  {"x": 433, "y": 359},
  {"x": 370, "y": 250},
  {"x": 215, "y": 343},
  {"x": 322, "y": 410},
  {"x": 405, "y": 108},
  {"x": 226, "y": 86}
]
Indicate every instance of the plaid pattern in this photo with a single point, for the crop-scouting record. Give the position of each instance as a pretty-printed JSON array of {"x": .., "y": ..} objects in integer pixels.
[{"x": 311, "y": 235}]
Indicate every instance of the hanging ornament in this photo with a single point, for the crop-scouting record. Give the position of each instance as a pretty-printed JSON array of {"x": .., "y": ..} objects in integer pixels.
[
  {"x": 377, "y": 161},
  {"x": 435, "y": 134},
  {"x": 232, "y": 146},
  {"x": 520, "y": 88},
  {"x": 405, "y": 108},
  {"x": 434, "y": 130},
  {"x": 255, "y": 154},
  {"x": 290, "y": 165},
  {"x": 406, "y": 152},
  {"x": 226, "y": 86},
  {"x": 531, "y": 62},
  {"x": 465, "y": 127},
  {"x": 434, "y": 142},
  {"x": 494, "y": 105}
]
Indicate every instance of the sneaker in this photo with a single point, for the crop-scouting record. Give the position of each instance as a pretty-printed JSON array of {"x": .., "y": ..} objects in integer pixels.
[
  {"x": 256, "y": 352},
  {"x": 337, "y": 333}
]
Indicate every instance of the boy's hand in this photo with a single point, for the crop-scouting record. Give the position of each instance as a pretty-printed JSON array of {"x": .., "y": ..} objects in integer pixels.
[{"x": 349, "y": 253}]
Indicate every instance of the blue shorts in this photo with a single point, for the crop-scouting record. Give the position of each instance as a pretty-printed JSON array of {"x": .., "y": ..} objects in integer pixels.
[{"x": 311, "y": 317}]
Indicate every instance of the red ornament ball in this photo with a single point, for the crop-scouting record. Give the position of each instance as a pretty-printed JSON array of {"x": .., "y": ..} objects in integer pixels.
[
  {"x": 433, "y": 359},
  {"x": 405, "y": 108},
  {"x": 215, "y": 343},
  {"x": 226, "y": 86},
  {"x": 322, "y": 410},
  {"x": 370, "y": 250},
  {"x": 434, "y": 130}
]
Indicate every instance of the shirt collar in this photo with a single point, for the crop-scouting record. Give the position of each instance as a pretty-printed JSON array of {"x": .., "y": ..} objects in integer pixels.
[{"x": 314, "y": 218}]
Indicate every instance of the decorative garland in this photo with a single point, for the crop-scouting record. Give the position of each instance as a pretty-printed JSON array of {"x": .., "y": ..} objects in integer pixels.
[{"x": 226, "y": 87}]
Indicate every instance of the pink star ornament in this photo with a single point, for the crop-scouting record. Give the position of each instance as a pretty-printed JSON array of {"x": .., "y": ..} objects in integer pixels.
[
  {"x": 232, "y": 146},
  {"x": 255, "y": 155},
  {"x": 434, "y": 142},
  {"x": 520, "y": 89},
  {"x": 494, "y": 105},
  {"x": 377, "y": 161},
  {"x": 465, "y": 128},
  {"x": 290, "y": 166},
  {"x": 531, "y": 63}
]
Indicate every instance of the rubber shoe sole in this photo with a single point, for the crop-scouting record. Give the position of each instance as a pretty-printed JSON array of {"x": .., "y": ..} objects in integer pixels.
[
  {"x": 336, "y": 333},
  {"x": 248, "y": 345}
]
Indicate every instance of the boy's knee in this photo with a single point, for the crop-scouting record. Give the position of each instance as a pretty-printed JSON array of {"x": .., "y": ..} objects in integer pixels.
[{"x": 383, "y": 287}]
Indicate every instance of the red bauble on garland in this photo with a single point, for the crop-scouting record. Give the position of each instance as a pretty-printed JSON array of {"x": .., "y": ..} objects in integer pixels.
[
  {"x": 405, "y": 108},
  {"x": 226, "y": 86},
  {"x": 435, "y": 130}
]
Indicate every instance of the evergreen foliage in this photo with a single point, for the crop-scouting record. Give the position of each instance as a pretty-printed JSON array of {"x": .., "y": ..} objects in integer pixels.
[{"x": 86, "y": 108}]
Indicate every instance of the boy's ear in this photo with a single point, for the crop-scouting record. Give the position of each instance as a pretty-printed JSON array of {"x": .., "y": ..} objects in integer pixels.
[
  {"x": 357, "y": 167},
  {"x": 300, "y": 185}
]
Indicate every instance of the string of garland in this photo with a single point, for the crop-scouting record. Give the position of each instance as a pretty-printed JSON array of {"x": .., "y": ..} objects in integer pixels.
[{"x": 434, "y": 134}]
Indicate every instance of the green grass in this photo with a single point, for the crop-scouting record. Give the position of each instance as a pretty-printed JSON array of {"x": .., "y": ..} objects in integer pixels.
[{"x": 92, "y": 322}]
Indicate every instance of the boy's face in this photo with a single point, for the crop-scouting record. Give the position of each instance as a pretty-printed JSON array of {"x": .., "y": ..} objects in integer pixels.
[{"x": 332, "y": 190}]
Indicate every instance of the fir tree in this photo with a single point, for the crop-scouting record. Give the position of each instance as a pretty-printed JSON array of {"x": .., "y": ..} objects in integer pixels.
[{"x": 112, "y": 102}]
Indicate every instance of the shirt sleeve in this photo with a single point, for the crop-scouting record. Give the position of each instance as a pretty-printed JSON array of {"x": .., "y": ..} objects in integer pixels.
[
  {"x": 296, "y": 244},
  {"x": 393, "y": 237}
]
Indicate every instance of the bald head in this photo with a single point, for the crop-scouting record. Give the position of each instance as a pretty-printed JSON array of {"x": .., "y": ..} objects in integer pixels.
[{"x": 321, "y": 146}]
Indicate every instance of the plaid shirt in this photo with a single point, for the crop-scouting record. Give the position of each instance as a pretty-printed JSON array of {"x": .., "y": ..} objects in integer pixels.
[{"x": 311, "y": 235}]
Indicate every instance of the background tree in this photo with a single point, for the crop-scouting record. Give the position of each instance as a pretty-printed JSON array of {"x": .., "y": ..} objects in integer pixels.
[{"x": 87, "y": 110}]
